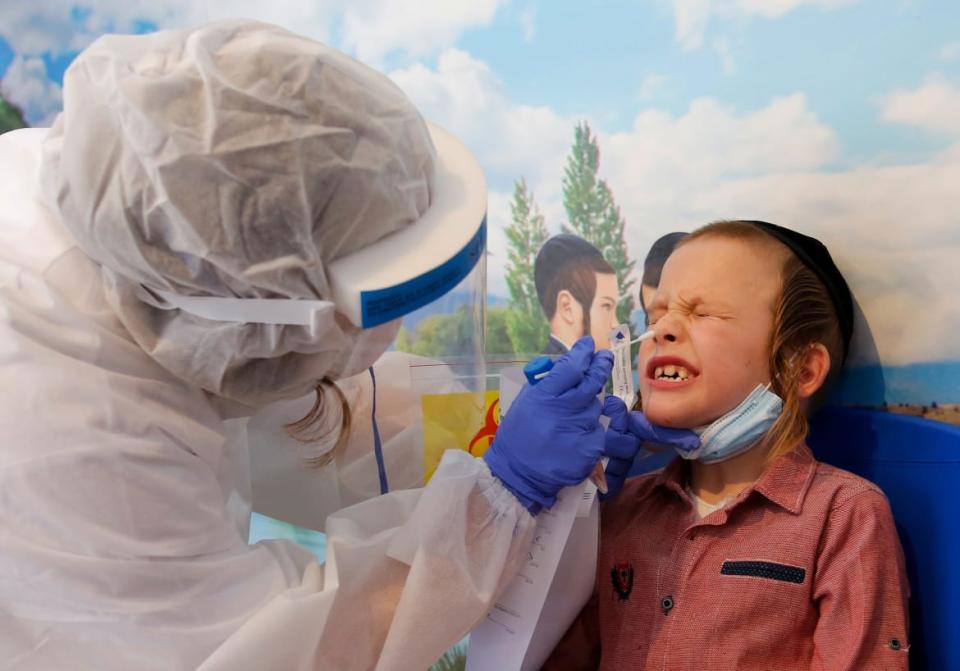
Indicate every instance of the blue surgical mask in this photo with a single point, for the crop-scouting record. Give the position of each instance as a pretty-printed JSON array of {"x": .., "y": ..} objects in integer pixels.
[{"x": 738, "y": 430}]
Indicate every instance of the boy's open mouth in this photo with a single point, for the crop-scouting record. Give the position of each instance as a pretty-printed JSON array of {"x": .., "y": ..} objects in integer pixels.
[{"x": 670, "y": 369}]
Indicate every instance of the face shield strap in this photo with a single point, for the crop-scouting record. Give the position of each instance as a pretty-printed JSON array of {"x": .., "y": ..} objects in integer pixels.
[
  {"x": 295, "y": 312},
  {"x": 377, "y": 445}
]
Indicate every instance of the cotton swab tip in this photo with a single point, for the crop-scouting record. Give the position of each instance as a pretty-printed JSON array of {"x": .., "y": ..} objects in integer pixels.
[{"x": 643, "y": 336}]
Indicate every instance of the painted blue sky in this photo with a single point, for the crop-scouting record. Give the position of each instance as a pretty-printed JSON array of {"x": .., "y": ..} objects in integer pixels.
[
  {"x": 840, "y": 118},
  {"x": 604, "y": 60}
]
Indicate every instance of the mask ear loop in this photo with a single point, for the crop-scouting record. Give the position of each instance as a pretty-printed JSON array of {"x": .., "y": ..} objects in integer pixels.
[{"x": 791, "y": 364}]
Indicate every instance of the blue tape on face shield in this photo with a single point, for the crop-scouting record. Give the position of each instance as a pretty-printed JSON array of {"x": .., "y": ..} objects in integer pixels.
[{"x": 738, "y": 430}]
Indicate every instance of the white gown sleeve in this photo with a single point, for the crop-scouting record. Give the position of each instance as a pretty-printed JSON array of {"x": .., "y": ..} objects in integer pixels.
[{"x": 407, "y": 575}]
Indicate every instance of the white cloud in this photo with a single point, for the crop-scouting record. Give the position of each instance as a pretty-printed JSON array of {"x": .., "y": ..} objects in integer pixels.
[
  {"x": 691, "y": 17},
  {"x": 368, "y": 28},
  {"x": 650, "y": 87},
  {"x": 950, "y": 52},
  {"x": 933, "y": 106},
  {"x": 712, "y": 141},
  {"x": 509, "y": 140},
  {"x": 34, "y": 28},
  {"x": 776, "y": 8},
  {"x": 26, "y": 85},
  {"x": 498, "y": 218},
  {"x": 528, "y": 23},
  {"x": 373, "y": 28},
  {"x": 722, "y": 47}
]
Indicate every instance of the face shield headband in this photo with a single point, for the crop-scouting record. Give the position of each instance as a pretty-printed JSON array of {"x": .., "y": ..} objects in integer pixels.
[{"x": 393, "y": 276}]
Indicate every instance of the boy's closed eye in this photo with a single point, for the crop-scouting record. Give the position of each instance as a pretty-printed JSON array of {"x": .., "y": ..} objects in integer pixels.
[
  {"x": 694, "y": 308},
  {"x": 710, "y": 314}
]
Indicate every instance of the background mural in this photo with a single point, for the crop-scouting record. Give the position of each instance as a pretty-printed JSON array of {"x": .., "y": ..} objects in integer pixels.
[{"x": 620, "y": 121}]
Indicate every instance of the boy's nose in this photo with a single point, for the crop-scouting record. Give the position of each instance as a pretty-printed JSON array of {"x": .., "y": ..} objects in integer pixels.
[{"x": 667, "y": 329}]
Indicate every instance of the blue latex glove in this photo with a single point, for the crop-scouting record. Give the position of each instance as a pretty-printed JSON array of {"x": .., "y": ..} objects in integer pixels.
[
  {"x": 626, "y": 432},
  {"x": 552, "y": 438}
]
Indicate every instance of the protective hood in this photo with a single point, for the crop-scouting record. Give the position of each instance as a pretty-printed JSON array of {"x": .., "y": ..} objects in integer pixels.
[{"x": 235, "y": 160}]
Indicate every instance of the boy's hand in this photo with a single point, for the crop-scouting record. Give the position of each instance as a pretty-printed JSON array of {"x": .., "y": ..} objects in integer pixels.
[{"x": 625, "y": 434}]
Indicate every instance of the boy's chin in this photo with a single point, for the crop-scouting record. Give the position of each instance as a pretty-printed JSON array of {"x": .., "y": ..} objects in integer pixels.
[
  {"x": 670, "y": 420},
  {"x": 674, "y": 418}
]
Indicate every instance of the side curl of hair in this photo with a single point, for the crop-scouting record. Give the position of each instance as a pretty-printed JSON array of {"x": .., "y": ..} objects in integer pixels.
[{"x": 321, "y": 424}]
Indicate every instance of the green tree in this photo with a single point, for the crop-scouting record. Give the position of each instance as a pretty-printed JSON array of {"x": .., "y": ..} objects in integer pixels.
[
  {"x": 451, "y": 334},
  {"x": 594, "y": 215},
  {"x": 525, "y": 322},
  {"x": 498, "y": 340},
  {"x": 11, "y": 117},
  {"x": 404, "y": 342}
]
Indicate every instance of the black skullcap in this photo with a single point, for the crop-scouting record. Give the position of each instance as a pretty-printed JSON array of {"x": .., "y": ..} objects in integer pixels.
[
  {"x": 814, "y": 255},
  {"x": 557, "y": 251},
  {"x": 659, "y": 252}
]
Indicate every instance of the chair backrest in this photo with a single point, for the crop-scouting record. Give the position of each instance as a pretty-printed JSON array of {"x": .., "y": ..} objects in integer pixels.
[{"x": 916, "y": 462}]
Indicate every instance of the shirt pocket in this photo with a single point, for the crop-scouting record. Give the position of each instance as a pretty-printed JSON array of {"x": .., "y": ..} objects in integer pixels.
[
  {"x": 763, "y": 594},
  {"x": 757, "y": 610}
]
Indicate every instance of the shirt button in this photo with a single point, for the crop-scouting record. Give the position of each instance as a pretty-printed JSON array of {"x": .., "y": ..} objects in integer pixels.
[{"x": 666, "y": 603}]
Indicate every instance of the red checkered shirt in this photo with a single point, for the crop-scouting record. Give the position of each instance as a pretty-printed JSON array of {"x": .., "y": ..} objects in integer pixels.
[{"x": 802, "y": 570}]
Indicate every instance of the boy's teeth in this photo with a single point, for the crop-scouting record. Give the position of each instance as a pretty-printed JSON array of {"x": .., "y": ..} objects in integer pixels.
[{"x": 671, "y": 372}]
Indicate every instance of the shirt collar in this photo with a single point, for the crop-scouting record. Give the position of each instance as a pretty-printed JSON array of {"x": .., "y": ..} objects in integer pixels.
[
  {"x": 785, "y": 482},
  {"x": 565, "y": 346}
]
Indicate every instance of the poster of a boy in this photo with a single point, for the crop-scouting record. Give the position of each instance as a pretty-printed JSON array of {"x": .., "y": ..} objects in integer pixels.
[
  {"x": 747, "y": 553},
  {"x": 578, "y": 292}
]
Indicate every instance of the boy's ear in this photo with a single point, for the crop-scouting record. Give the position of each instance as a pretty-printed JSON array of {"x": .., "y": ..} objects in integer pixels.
[{"x": 814, "y": 367}]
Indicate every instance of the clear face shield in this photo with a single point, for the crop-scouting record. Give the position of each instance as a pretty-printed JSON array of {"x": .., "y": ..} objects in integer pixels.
[
  {"x": 420, "y": 297},
  {"x": 436, "y": 363}
]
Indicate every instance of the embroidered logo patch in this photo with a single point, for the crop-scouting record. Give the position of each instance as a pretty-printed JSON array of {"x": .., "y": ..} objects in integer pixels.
[{"x": 621, "y": 575}]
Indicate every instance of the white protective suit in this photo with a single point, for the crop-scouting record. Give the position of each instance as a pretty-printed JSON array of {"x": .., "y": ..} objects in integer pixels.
[
  {"x": 118, "y": 547},
  {"x": 117, "y": 550}
]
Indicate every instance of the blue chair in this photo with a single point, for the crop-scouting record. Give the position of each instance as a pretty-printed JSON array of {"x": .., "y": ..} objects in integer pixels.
[{"x": 916, "y": 462}]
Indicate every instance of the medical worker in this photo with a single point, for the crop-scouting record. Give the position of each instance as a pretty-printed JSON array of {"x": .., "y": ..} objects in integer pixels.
[{"x": 223, "y": 218}]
